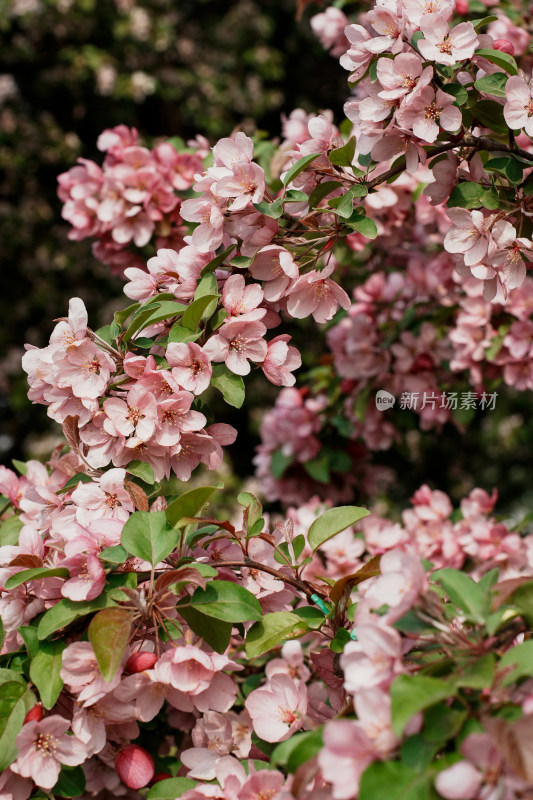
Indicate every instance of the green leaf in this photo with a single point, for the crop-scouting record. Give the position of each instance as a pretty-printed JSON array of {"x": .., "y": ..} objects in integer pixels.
[
  {"x": 15, "y": 701},
  {"x": 464, "y": 592},
  {"x": 230, "y": 385},
  {"x": 20, "y": 466},
  {"x": 442, "y": 722},
  {"x": 242, "y": 262},
  {"x": 36, "y": 573},
  {"x": 44, "y": 671},
  {"x": 417, "y": 753},
  {"x": 313, "y": 617},
  {"x": 279, "y": 463},
  {"x": 321, "y": 191},
  {"x": 490, "y": 199},
  {"x": 492, "y": 84},
  {"x": 295, "y": 196},
  {"x": 508, "y": 166},
  {"x": 270, "y": 631},
  {"x": 333, "y": 521},
  {"x": 170, "y": 788},
  {"x": 80, "y": 477},
  {"x": 224, "y": 600},
  {"x": 490, "y": 114},
  {"x": 67, "y": 611},
  {"x": 364, "y": 225},
  {"x": 141, "y": 470},
  {"x": 178, "y": 333},
  {"x": 10, "y": 530},
  {"x": 457, "y": 91},
  {"x": 522, "y": 599},
  {"x": 477, "y": 675},
  {"x": 189, "y": 504},
  {"x": 156, "y": 312},
  {"x": 202, "y": 307},
  {"x": 300, "y": 165},
  {"x": 465, "y": 195},
  {"x": 413, "y": 693},
  {"x": 305, "y": 750},
  {"x": 480, "y": 23},
  {"x": 274, "y": 210},
  {"x": 280, "y": 754},
  {"x": 519, "y": 662},
  {"x": 343, "y": 156},
  {"x": 214, "y": 632},
  {"x": 502, "y": 60},
  {"x": 71, "y": 782},
  {"x": 113, "y": 555},
  {"x": 218, "y": 260},
  {"x": 394, "y": 781},
  {"x": 344, "y": 205},
  {"x": 318, "y": 468},
  {"x": 148, "y": 535},
  {"x": 121, "y": 316},
  {"x": 109, "y": 632}
]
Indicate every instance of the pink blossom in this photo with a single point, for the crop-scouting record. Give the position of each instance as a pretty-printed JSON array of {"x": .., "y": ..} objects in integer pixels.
[
  {"x": 277, "y": 708},
  {"x": 358, "y": 56},
  {"x": 43, "y": 747},
  {"x": 315, "y": 293},
  {"x": 281, "y": 359},
  {"x": 236, "y": 342},
  {"x": 276, "y": 266},
  {"x": 444, "y": 45},
  {"x": 518, "y": 109},
  {"x": 87, "y": 577},
  {"x": 347, "y": 752},
  {"x": 423, "y": 110},
  {"x": 417, "y": 9},
  {"x": 246, "y": 184},
  {"x": 81, "y": 673},
  {"x": 329, "y": 27},
  {"x": 461, "y": 781},
  {"x": 240, "y": 300},
  {"x": 104, "y": 497},
  {"x": 373, "y": 659},
  {"x": 191, "y": 366},
  {"x": 401, "y": 75},
  {"x": 136, "y": 415},
  {"x": 469, "y": 234}
]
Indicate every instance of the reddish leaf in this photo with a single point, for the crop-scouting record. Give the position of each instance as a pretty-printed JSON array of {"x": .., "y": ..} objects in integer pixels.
[
  {"x": 26, "y": 560},
  {"x": 346, "y": 584},
  {"x": 109, "y": 633},
  {"x": 138, "y": 496}
]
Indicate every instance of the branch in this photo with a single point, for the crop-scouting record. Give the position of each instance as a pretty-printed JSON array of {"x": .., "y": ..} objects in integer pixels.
[
  {"x": 481, "y": 143},
  {"x": 302, "y": 586}
]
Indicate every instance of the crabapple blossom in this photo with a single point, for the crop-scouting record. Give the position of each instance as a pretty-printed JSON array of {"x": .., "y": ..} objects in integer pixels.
[
  {"x": 43, "y": 747},
  {"x": 277, "y": 709},
  {"x": 518, "y": 109},
  {"x": 425, "y": 107},
  {"x": 444, "y": 45},
  {"x": 238, "y": 341}
]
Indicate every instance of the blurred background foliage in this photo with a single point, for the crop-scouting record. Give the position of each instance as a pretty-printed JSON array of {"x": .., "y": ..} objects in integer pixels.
[{"x": 71, "y": 68}]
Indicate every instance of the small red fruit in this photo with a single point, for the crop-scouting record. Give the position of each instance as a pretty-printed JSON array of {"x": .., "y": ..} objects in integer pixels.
[
  {"x": 504, "y": 46},
  {"x": 138, "y": 662},
  {"x": 461, "y": 7},
  {"x": 35, "y": 714},
  {"x": 135, "y": 766}
]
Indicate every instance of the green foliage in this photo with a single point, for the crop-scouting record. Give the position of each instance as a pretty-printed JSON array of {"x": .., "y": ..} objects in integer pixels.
[
  {"x": 230, "y": 385},
  {"x": 44, "y": 671},
  {"x": 170, "y": 788},
  {"x": 225, "y": 601},
  {"x": 413, "y": 693},
  {"x": 271, "y": 630},
  {"x": 148, "y": 535},
  {"x": 189, "y": 504},
  {"x": 333, "y": 521}
]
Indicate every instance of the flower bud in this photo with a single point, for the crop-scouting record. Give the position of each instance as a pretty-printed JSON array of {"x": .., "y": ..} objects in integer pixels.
[
  {"x": 461, "y": 7},
  {"x": 504, "y": 46},
  {"x": 138, "y": 662},
  {"x": 35, "y": 714},
  {"x": 135, "y": 766}
]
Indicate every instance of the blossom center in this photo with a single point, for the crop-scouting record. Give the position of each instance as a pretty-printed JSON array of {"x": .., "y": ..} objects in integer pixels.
[
  {"x": 286, "y": 715},
  {"x": 432, "y": 111},
  {"x": 46, "y": 746},
  {"x": 446, "y": 45}
]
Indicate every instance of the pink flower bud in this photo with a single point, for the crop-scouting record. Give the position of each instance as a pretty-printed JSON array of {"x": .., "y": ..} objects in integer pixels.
[
  {"x": 461, "y": 7},
  {"x": 504, "y": 45},
  {"x": 138, "y": 662},
  {"x": 35, "y": 714},
  {"x": 135, "y": 767}
]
